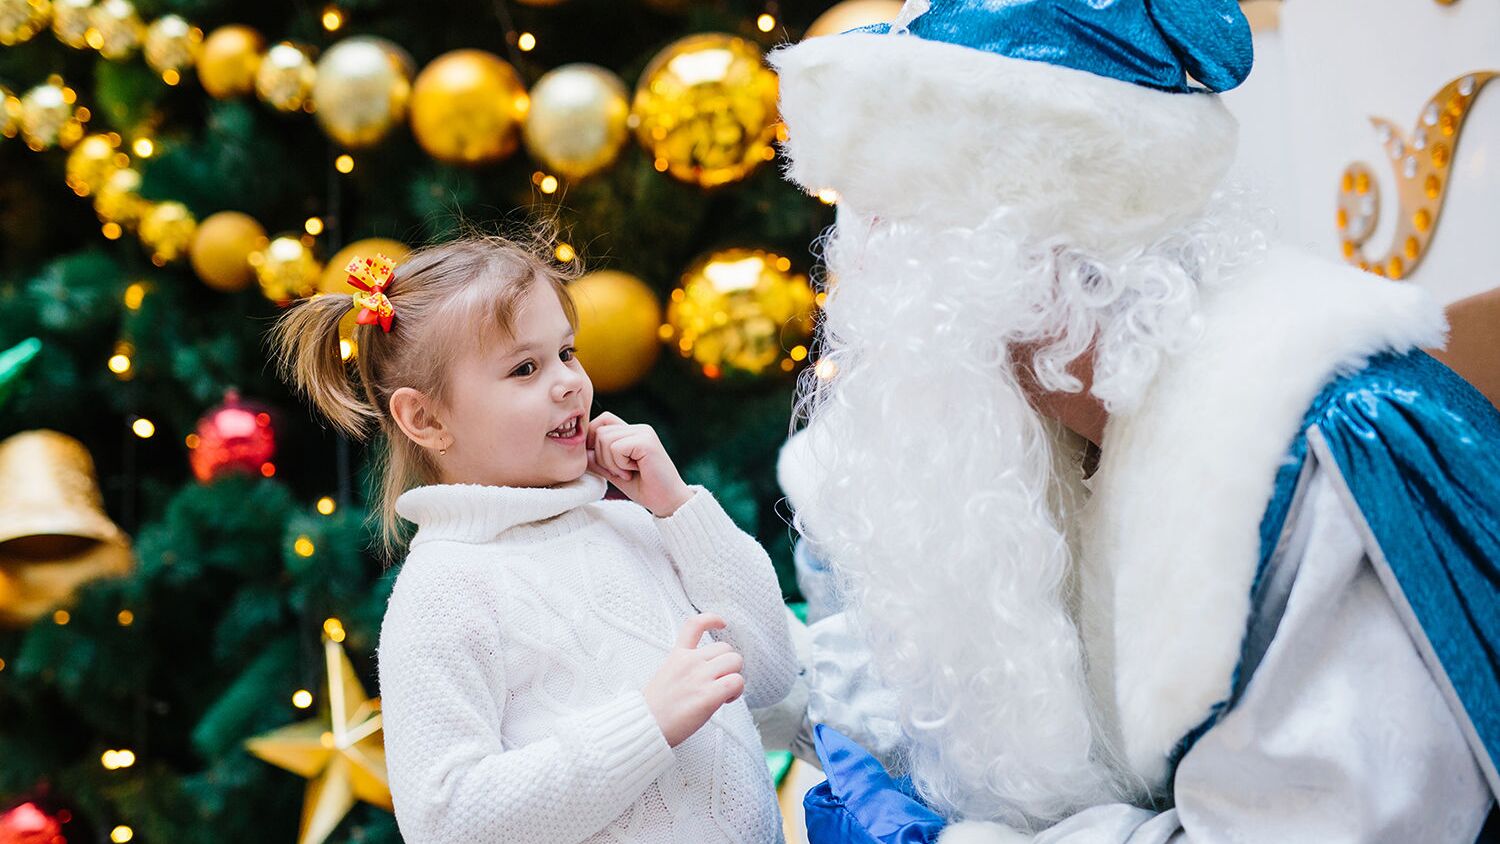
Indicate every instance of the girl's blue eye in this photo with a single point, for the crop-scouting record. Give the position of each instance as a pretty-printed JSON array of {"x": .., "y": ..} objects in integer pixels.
[
  {"x": 567, "y": 353},
  {"x": 524, "y": 369}
]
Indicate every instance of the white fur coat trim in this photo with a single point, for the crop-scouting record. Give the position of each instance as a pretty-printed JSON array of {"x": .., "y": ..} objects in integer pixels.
[
  {"x": 1171, "y": 533},
  {"x": 905, "y": 126}
]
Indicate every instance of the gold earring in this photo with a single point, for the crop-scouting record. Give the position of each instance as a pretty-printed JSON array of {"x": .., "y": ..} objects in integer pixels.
[{"x": 442, "y": 451}]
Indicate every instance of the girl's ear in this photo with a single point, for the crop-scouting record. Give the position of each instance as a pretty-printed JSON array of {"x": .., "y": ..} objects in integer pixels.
[{"x": 415, "y": 415}]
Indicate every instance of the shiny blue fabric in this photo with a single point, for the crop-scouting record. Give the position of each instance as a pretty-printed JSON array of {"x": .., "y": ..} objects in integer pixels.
[
  {"x": 860, "y": 803},
  {"x": 1154, "y": 43},
  {"x": 1417, "y": 447},
  {"x": 1420, "y": 451}
]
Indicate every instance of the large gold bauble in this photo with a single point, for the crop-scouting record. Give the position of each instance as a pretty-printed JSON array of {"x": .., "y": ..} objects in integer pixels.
[
  {"x": 172, "y": 44},
  {"x": 335, "y": 282},
  {"x": 226, "y": 66},
  {"x": 286, "y": 269},
  {"x": 362, "y": 90},
  {"x": 54, "y": 534},
  {"x": 619, "y": 320},
  {"x": 741, "y": 313},
  {"x": 705, "y": 109},
  {"x": 92, "y": 161},
  {"x": 116, "y": 30},
  {"x": 49, "y": 116},
  {"x": 10, "y": 113},
  {"x": 118, "y": 200},
  {"x": 70, "y": 22},
  {"x": 577, "y": 122},
  {"x": 853, "y": 14},
  {"x": 167, "y": 230},
  {"x": 221, "y": 250},
  {"x": 22, "y": 19},
  {"x": 467, "y": 107},
  {"x": 285, "y": 78}
]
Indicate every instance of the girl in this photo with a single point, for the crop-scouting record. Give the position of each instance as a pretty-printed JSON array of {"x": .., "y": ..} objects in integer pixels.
[{"x": 543, "y": 667}]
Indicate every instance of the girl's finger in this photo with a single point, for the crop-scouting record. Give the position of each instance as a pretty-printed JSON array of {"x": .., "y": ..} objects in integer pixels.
[
  {"x": 597, "y": 469},
  {"x": 603, "y": 420},
  {"x": 714, "y": 650},
  {"x": 726, "y": 664},
  {"x": 626, "y": 453},
  {"x": 633, "y": 448},
  {"x": 695, "y": 626},
  {"x": 604, "y": 452},
  {"x": 731, "y": 686}
]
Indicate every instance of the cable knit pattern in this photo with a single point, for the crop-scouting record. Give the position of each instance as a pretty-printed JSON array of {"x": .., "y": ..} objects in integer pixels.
[{"x": 521, "y": 629}]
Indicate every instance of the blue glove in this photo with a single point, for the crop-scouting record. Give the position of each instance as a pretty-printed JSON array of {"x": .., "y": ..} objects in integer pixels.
[{"x": 860, "y": 803}]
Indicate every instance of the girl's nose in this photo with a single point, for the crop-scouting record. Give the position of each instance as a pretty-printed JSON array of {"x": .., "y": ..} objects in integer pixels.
[{"x": 569, "y": 383}]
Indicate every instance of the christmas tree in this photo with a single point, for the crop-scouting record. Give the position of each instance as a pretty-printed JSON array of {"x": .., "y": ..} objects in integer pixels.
[{"x": 146, "y": 706}]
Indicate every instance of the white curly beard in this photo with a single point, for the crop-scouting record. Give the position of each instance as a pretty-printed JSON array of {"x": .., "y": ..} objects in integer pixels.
[{"x": 937, "y": 501}]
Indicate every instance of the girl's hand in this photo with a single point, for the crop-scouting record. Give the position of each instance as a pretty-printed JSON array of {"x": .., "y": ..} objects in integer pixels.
[
  {"x": 632, "y": 458},
  {"x": 694, "y": 682}
]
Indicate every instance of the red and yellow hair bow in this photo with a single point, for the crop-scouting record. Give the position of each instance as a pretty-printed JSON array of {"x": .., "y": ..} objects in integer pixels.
[{"x": 372, "y": 276}]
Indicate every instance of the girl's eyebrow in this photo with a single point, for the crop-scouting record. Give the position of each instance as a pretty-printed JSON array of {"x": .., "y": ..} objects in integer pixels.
[{"x": 531, "y": 347}]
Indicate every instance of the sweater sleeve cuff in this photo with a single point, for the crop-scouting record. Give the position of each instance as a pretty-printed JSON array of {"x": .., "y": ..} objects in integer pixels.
[
  {"x": 699, "y": 528},
  {"x": 627, "y": 742}
]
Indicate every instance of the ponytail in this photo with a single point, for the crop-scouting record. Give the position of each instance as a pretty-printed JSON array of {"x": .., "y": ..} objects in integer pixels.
[{"x": 305, "y": 346}]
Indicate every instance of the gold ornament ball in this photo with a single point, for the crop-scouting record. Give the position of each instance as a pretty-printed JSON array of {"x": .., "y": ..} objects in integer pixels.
[
  {"x": 92, "y": 161},
  {"x": 619, "y": 318},
  {"x": 70, "y": 22},
  {"x": 705, "y": 109},
  {"x": 221, "y": 250},
  {"x": 49, "y": 117},
  {"x": 22, "y": 19},
  {"x": 172, "y": 44},
  {"x": 362, "y": 90},
  {"x": 467, "y": 107},
  {"x": 116, "y": 30},
  {"x": 335, "y": 282},
  {"x": 286, "y": 269},
  {"x": 10, "y": 113},
  {"x": 118, "y": 200},
  {"x": 578, "y": 120},
  {"x": 167, "y": 230},
  {"x": 231, "y": 55},
  {"x": 741, "y": 313},
  {"x": 285, "y": 78},
  {"x": 853, "y": 14}
]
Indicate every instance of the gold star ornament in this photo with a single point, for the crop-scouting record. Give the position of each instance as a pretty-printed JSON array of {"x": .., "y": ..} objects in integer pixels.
[{"x": 342, "y": 756}]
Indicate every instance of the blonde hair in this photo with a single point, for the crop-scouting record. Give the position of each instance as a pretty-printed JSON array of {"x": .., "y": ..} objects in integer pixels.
[{"x": 447, "y": 297}]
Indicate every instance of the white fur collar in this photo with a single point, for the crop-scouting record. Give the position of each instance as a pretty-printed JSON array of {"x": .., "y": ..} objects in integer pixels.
[{"x": 1171, "y": 533}]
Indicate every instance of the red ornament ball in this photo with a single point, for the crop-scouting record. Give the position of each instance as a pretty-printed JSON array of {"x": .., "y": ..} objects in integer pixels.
[
  {"x": 29, "y": 823},
  {"x": 235, "y": 436}
]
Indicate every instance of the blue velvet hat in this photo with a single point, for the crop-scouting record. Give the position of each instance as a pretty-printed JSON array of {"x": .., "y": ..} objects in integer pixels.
[{"x": 1153, "y": 43}]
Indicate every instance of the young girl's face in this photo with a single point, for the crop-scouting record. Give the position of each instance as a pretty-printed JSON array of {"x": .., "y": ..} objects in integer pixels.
[{"x": 519, "y": 407}]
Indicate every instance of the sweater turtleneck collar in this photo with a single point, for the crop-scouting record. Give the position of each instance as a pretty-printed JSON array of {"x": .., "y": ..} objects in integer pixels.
[{"x": 481, "y": 513}]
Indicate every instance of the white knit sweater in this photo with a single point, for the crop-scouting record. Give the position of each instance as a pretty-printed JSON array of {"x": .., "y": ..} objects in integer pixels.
[{"x": 524, "y": 624}]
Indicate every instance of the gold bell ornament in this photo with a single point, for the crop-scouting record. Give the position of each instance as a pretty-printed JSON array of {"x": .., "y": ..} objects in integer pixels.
[{"x": 54, "y": 534}]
